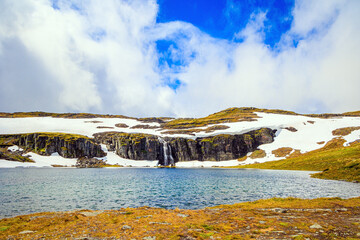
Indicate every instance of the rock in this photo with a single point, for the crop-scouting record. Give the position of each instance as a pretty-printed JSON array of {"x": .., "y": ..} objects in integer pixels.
[
  {"x": 91, "y": 214},
  {"x": 215, "y": 148},
  {"x": 262, "y": 222},
  {"x": 160, "y": 223},
  {"x": 315, "y": 226},
  {"x": 125, "y": 227},
  {"x": 85, "y": 162},
  {"x": 182, "y": 215},
  {"x": 26, "y": 232},
  {"x": 291, "y": 129},
  {"x": 66, "y": 145},
  {"x": 279, "y": 210},
  {"x": 149, "y": 238}
]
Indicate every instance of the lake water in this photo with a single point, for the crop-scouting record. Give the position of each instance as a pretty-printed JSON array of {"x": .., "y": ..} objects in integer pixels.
[{"x": 24, "y": 191}]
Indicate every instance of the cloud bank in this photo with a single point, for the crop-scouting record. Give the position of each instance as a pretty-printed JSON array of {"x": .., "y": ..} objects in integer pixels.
[{"x": 103, "y": 57}]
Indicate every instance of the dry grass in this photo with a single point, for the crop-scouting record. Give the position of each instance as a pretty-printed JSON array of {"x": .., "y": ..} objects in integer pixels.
[
  {"x": 344, "y": 131},
  {"x": 59, "y": 115},
  {"x": 192, "y": 131},
  {"x": 105, "y": 127},
  {"x": 264, "y": 219},
  {"x": 225, "y": 116},
  {"x": 257, "y": 154},
  {"x": 121, "y": 125},
  {"x": 334, "y": 160},
  {"x": 282, "y": 152},
  {"x": 144, "y": 126}
]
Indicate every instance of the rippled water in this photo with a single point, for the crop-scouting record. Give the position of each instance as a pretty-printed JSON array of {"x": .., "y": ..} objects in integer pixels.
[{"x": 24, "y": 191}]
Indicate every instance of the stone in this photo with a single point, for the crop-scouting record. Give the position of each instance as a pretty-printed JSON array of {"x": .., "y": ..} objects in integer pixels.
[
  {"x": 85, "y": 162},
  {"x": 182, "y": 215},
  {"x": 149, "y": 238},
  {"x": 125, "y": 227},
  {"x": 26, "y": 232},
  {"x": 91, "y": 214},
  {"x": 315, "y": 226},
  {"x": 139, "y": 146}
]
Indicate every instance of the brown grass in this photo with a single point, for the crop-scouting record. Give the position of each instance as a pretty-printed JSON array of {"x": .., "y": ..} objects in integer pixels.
[
  {"x": 257, "y": 154},
  {"x": 104, "y": 127},
  {"x": 282, "y": 152},
  {"x": 121, "y": 125},
  {"x": 344, "y": 131},
  {"x": 334, "y": 160},
  {"x": 276, "y": 218}
]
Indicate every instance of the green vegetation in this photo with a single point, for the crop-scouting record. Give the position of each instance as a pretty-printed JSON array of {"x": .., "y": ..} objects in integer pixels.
[
  {"x": 257, "y": 154},
  {"x": 334, "y": 160},
  {"x": 276, "y": 218},
  {"x": 225, "y": 116},
  {"x": 13, "y": 156}
]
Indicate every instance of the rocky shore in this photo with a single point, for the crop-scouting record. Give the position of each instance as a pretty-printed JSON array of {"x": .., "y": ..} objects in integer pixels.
[{"x": 289, "y": 218}]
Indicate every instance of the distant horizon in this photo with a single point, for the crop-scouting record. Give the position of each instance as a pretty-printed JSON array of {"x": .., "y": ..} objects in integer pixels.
[
  {"x": 179, "y": 58},
  {"x": 130, "y": 116}
]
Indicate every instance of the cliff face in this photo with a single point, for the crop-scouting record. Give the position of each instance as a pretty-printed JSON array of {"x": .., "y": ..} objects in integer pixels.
[
  {"x": 171, "y": 150},
  {"x": 67, "y": 145}
]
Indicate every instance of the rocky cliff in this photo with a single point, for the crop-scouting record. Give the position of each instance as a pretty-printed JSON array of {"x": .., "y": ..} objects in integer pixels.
[
  {"x": 171, "y": 150},
  {"x": 67, "y": 145}
]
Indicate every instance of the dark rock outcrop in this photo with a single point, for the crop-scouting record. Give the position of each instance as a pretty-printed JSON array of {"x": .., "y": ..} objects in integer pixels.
[
  {"x": 85, "y": 162},
  {"x": 66, "y": 145},
  {"x": 215, "y": 148}
]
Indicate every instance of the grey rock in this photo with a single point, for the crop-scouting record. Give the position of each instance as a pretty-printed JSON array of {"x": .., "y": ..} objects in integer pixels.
[
  {"x": 315, "y": 226},
  {"x": 91, "y": 214},
  {"x": 214, "y": 148},
  {"x": 182, "y": 215},
  {"x": 149, "y": 238},
  {"x": 26, "y": 232},
  {"x": 125, "y": 227}
]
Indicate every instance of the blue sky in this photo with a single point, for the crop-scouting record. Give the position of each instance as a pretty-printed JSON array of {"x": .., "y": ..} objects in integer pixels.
[
  {"x": 179, "y": 58},
  {"x": 222, "y": 19}
]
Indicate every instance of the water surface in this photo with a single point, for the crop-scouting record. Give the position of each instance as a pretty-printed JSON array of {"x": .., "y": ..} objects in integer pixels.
[{"x": 24, "y": 191}]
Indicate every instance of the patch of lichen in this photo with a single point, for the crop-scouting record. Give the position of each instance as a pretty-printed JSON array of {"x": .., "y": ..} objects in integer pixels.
[
  {"x": 280, "y": 218},
  {"x": 334, "y": 160}
]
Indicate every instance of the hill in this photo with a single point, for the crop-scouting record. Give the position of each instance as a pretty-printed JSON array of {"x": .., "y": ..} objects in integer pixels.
[{"x": 232, "y": 137}]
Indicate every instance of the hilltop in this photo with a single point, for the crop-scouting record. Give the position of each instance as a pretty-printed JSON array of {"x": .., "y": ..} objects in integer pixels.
[{"x": 232, "y": 137}]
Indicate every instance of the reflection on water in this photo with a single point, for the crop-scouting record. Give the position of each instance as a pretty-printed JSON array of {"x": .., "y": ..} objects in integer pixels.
[{"x": 24, "y": 191}]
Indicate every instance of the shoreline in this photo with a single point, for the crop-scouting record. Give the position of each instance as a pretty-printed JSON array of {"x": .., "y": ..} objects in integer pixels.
[{"x": 320, "y": 218}]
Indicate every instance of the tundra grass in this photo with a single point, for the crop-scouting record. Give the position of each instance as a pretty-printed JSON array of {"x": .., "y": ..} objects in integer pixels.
[
  {"x": 277, "y": 218},
  {"x": 333, "y": 160}
]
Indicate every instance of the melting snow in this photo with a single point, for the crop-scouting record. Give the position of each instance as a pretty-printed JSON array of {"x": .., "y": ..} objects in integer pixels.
[{"x": 305, "y": 139}]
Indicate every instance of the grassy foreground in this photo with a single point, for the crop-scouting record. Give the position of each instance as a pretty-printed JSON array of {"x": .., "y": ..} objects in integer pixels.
[
  {"x": 334, "y": 160},
  {"x": 289, "y": 218}
]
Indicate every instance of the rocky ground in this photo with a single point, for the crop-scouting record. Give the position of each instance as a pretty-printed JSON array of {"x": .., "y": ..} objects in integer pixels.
[{"x": 276, "y": 218}]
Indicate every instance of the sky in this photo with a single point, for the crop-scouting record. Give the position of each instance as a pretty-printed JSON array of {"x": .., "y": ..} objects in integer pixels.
[{"x": 179, "y": 58}]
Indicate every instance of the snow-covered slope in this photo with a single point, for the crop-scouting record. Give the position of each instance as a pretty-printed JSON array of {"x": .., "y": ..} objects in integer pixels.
[{"x": 303, "y": 133}]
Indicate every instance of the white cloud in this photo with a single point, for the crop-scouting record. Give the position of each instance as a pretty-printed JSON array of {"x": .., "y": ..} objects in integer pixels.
[{"x": 101, "y": 56}]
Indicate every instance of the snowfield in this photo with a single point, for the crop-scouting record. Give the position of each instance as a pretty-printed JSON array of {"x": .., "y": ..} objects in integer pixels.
[{"x": 309, "y": 133}]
